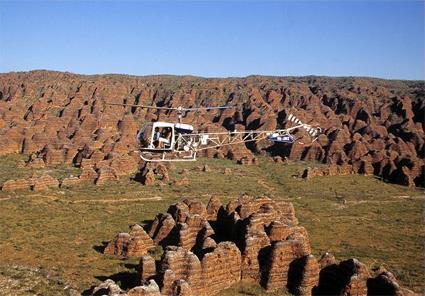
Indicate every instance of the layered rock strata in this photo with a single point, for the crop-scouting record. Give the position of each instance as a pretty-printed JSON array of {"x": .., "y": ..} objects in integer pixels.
[
  {"x": 135, "y": 243},
  {"x": 35, "y": 183},
  {"x": 258, "y": 240}
]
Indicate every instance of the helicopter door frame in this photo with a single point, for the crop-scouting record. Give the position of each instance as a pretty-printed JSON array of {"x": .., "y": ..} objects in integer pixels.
[{"x": 162, "y": 125}]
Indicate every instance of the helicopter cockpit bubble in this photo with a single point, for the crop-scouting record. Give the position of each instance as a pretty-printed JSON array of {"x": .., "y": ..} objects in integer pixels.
[{"x": 144, "y": 136}]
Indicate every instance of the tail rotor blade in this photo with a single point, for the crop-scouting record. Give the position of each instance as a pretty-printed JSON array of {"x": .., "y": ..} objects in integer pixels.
[
  {"x": 313, "y": 132},
  {"x": 292, "y": 118}
]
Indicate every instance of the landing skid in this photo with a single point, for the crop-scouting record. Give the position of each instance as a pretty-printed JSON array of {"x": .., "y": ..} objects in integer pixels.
[{"x": 167, "y": 156}]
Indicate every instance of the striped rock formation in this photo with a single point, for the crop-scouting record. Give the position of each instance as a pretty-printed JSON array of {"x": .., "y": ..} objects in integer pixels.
[
  {"x": 105, "y": 174},
  {"x": 369, "y": 125},
  {"x": 35, "y": 183},
  {"x": 19, "y": 184},
  {"x": 134, "y": 243},
  {"x": 217, "y": 270},
  {"x": 70, "y": 181},
  {"x": 258, "y": 240},
  {"x": 44, "y": 182}
]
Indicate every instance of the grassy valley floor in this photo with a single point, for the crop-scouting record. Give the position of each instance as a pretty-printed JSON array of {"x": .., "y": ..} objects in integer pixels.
[{"x": 50, "y": 241}]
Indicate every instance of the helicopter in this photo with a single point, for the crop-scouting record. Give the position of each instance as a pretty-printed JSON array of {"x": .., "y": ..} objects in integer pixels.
[{"x": 167, "y": 141}]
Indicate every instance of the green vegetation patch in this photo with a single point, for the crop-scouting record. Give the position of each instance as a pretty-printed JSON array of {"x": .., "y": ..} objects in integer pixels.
[{"x": 11, "y": 169}]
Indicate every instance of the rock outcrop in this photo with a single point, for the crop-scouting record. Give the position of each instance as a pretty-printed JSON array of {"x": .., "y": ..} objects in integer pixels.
[
  {"x": 110, "y": 288},
  {"x": 386, "y": 284},
  {"x": 70, "y": 182},
  {"x": 347, "y": 278},
  {"x": 135, "y": 243},
  {"x": 154, "y": 173},
  {"x": 35, "y": 183},
  {"x": 258, "y": 240},
  {"x": 20, "y": 184},
  {"x": 44, "y": 182}
]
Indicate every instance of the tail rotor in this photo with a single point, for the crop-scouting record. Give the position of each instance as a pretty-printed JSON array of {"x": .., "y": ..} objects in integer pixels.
[{"x": 313, "y": 132}]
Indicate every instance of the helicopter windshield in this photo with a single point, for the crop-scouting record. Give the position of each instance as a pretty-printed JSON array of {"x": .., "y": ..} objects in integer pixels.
[{"x": 144, "y": 135}]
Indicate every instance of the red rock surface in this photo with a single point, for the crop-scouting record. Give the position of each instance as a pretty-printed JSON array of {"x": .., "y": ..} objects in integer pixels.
[
  {"x": 154, "y": 173},
  {"x": 34, "y": 183},
  {"x": 134, "y": 243},
  {"x": 13, "y": 185},
  {"x": 105, "y": 174},
  {"x": 44, "y": 182},
  {"x": 210, "y": 248},
  {"x": 373, "y": 126},
  {"x": 70, "y": 181}
]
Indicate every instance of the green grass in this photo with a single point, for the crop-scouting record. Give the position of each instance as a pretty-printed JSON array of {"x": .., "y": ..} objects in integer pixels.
[
  {"x": 60, "y": 230},
  {"x": 248, "y": 289},
  {"x": 9, "y": 169}
]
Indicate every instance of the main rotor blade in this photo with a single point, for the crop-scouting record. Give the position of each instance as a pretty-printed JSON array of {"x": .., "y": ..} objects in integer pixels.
[
  {"x": 207, "y": 108},
  {"x": 172, "y": 108},
  {"x": 142, "y": 106}
]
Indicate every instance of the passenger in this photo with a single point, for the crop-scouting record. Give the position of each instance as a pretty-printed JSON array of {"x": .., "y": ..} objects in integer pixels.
[{"x": 165, "y": 138}]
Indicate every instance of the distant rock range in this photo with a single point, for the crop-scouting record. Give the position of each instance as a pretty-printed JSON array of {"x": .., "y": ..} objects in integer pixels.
[{"x": 371, "y": 126}]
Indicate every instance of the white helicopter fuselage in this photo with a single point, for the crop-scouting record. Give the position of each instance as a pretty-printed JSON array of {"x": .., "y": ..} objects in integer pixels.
[{"x": 164, "y": 141}]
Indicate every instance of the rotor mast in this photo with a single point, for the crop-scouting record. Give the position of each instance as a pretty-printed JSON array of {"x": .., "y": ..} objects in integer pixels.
[{"x": 180, "y": 113}]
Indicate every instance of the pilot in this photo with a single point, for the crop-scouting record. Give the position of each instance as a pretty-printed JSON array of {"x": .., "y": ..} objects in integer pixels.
[{"x": 156, "y": 138}]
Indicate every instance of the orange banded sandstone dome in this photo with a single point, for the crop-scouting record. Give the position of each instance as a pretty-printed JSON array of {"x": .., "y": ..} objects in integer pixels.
[{"x": 369, "y": 124}]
